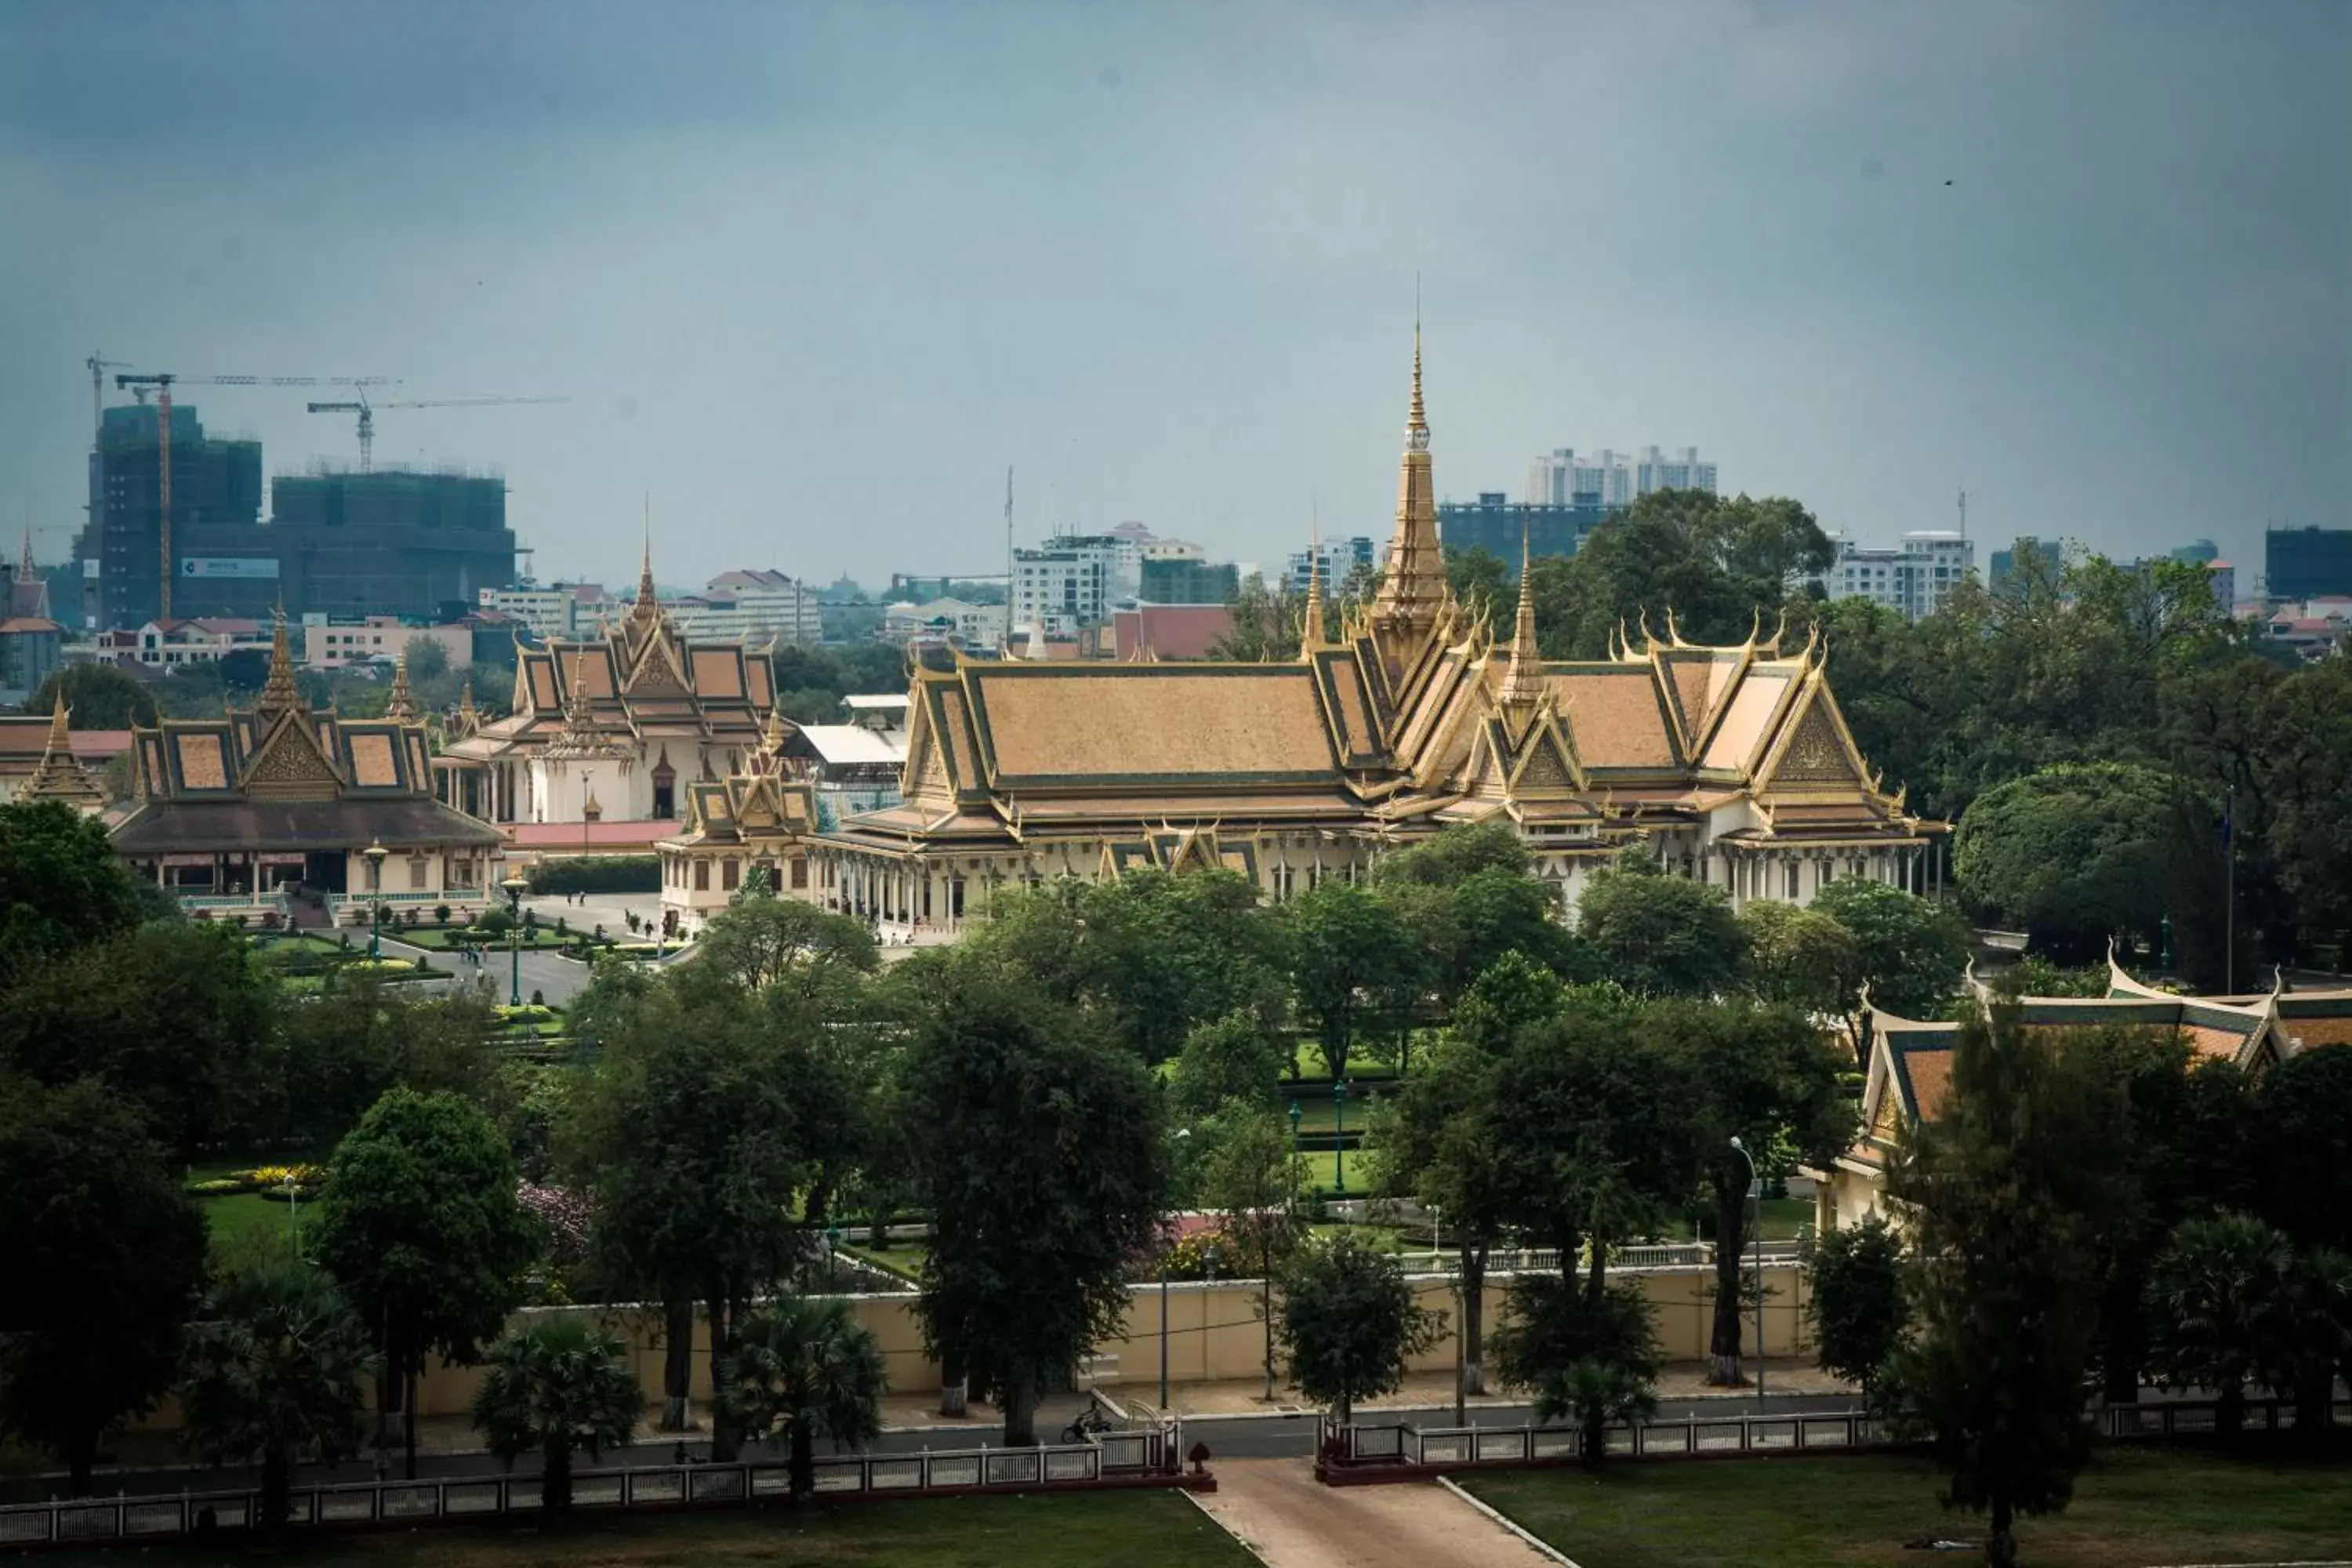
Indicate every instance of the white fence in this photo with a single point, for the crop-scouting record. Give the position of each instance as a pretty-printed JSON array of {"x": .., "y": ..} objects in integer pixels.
[{"x": 88, "y": 1521}]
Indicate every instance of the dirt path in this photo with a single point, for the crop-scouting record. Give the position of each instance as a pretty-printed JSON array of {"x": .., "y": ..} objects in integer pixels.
[{"x": 1279, "y": 1510}]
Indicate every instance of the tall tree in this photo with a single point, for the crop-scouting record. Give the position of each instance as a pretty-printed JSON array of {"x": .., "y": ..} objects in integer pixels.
[
  {"x": 1252, "y": 1175},
  {"x": 1800, "y": 957},
  {"x": 1857, "y": 1309},
  {"x": 802, "y": 1370},
  {"x": 2011, "y": 1186},
  {"x": 274, "y": 1374},
  {"x": 1346, "y": 948},
  {"x": 1763, "y": 1077},
  {"x": 61, "y": 886},
  {"x": 560, "y": 1386},
  {"x": 2303, "y": 1107},
  {"x": 1350, "y": 1322},
  {"x": 1660, "y": 935},
  {"x": 1266, "y": 620},
  {"x": 2075, "y": 853},
  {"x": 1236, "y": 1056},
  {"x": 1592, "y": 1356},
  {"x": 693, "y": 1136},
  {"x": 1037, "y": 1213},
  {"x": 2218, "y": 1298},
  {"x": 99, "y": 697},
  {"x": 771, "y": 943},
  {"x": 100, "y": 1258},
  {"x": 1910, "y": 952},
  {"x": 421, "y": 1227}
]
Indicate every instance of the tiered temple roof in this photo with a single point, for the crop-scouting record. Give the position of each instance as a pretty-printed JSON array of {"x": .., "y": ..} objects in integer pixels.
[
  {"x": 639, "y": 682},
  {"x": 1413, "y": 719},
  {"x": 278, "y": 776}
]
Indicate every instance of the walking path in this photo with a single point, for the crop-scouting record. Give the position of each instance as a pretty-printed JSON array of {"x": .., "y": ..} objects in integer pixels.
[{"x": 1279, "y": 1510}]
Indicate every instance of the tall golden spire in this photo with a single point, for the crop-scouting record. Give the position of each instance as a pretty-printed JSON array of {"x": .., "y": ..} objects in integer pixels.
[
  {"x": 469, "y": 718},
  {"x": 1310, "y": 624},
  {"x": 59, "y": 775},
  {"x": 1413, "y": 592},
  {"x": 402, "y": 704},
  {"x": 24, "y": 563},
  {"x": 1523, "y": 683},
  {"x": 646, "y": 608},
  {"x": 278, "y": 693}
]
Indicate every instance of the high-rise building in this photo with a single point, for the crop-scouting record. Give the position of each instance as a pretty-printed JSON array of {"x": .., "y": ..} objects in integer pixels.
[
  {"x": 2307, "y": 562},
  {"x": 2004, "y": 562},
  {"x": 1338, "y": 559},
  {"x": 1500, "y": 526},
  {"x": 1607, "y": 479},
  {"x": 1181, "y": 581},
  {"x": 1069, "y": 583},
  {"x": 1912, "y": 578},
  {"x": 392, "y": 542},
  {"x": 754, "y": 604}
]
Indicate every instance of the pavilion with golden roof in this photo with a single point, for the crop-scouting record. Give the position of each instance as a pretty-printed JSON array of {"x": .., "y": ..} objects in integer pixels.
[
  {"x": 1910, "y": 1060},
  {"x": 1732, "y": 764},
  {"x": 239, "y": 813}
]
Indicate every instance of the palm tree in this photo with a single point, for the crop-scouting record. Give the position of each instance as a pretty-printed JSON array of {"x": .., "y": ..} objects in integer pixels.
[
  {"x": 558, "y": 1385},
  {"x": 803, "y": 1369},
  {"x": 2317, "y": 1335},
  {"x": 1595, "y": 1395},
  {"x": 2216, "y": 1298},
  {"x": 277, "y": 1374}
]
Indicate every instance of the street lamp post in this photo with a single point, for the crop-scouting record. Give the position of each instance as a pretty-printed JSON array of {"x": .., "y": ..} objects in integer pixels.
[
  {"x": 1755, "y": 1185},
  {"x": 833, "y": 1256},
  {"x": 1181, "y": 1134},
  {"x": 375, "y": 852},
  {"x": 1339, "y": 1137},
  {"x": 293, "y": 1216},
  {"x": 513, "y": 888}
]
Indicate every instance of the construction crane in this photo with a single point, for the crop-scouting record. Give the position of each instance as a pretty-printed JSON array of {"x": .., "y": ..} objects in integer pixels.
[
  {"x": 97, "y": 366},
  {"x": 138, "y": 386},
  {"x": 366, "y": 411}
]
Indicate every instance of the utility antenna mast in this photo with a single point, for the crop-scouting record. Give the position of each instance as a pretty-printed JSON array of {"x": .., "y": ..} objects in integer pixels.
[
  {"x": 1008, "y": 560},
  {"x": 1963, "y": 514}
]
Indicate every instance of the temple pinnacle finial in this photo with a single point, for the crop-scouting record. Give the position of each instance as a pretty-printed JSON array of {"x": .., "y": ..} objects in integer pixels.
[
  {"x": 401, "y": 704},
  {"x": 1523, "y": 683},
  {"x": 25, "y": 564},
  {"x": 60, "y": 731},
  {"x": 1310, "y": 624},
  {"x": 646, "y": 564},
  {"x": 279, "y": 694},
  {"x": 1416, "y": 421}
]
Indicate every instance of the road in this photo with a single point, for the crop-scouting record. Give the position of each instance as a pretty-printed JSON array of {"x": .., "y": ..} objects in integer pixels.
[{"x": 1252, "y": 1436}]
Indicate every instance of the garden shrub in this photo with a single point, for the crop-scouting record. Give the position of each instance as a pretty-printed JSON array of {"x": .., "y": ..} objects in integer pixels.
[{"x": 597, "y": 874}]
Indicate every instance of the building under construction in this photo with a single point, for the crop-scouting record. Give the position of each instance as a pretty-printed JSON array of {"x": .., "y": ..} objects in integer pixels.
[{"x": 389, "y": 543}]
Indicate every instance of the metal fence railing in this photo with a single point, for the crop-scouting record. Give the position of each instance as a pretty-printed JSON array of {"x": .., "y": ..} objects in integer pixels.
[
  {"x": 85, "y": 1521},
  {"x": 1400, "y": 1443}
]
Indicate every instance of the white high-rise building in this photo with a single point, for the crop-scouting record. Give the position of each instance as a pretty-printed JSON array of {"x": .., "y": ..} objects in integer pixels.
[
  {"x": 1071, "y": 583},
  {"x": 754, "y": 604},
  {"x": 1912, "y": 578},
  {"x": 1610, "y": 478}
]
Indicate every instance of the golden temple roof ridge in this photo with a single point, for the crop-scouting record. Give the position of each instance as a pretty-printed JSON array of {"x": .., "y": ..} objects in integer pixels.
[{"x": 1523, "y": 684}]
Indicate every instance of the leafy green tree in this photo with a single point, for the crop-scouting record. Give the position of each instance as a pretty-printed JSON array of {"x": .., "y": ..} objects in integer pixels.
[
  {"x": 2009, "y": 1186},
  {"x": 274, "y": 1374},
  {"x": 1349, "y": 1321},
  {"x": 2073, "y": 854},
  {"x": 1800, "y": 957},
  {"x": 62, "y": 887},
  {"x": 1909, "y": 951},
  {"x": 2304, "y": 1108},
  {"x": 560, "y": 1385},
  {"x": 1266, "y": 620},
  {"x": 358, "y": 1039},
  {"x": 1660, "y": 935},
  {"x": 2217, "y": 1303},
  {"x": 421, "y": 1227},
  {"x": 1346, "y": 948},
  {"x": 1455, "y": 855},
  {"x": 1592, "y": 1356},
  {"x": 1252, "y": 1175},
  {"x": 807, "y": 1369},
  {"x": 99, "y": 696},
  {"x": 1762, "y": 1077},
  {"x": 1514, "y": 992},
  {"x": 1036, "y": 1212},
  {"x": 782, "y": 942},
  {"x": 694, "y": 1135},
  {"x": 1858, "y": 1311},
  {"x": 1715, "y": 563},
  {"x": 1479, "y": 579},
  {"x": 101, "y": 1259},
  {"x": 1232, "y": 1057},
  {"x": 2314, "y": 1334}
]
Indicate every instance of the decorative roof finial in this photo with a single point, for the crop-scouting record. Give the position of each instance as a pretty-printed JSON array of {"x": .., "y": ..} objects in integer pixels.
[
  {"x": 1523, "y": 683},
  {"x": 469, "y": 718},
  {"x": 646, "y": 606},
  {"x": 402, "y": 704},
  {"x": 25, "y": 565},
  {"x": 279, "y": 694},
  {"x": 59, "y": 775},
  {"x": 1310, "y": 625}
]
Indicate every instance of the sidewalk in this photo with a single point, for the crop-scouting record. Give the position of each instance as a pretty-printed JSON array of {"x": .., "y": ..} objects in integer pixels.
[{"x": 1681, "y": 1380}]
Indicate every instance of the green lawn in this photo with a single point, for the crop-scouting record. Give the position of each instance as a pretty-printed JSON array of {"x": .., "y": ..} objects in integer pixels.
[
  {"x": 246, "y": 1227},
  {"x": 2134, "y": 1507},
  {"x": 1068, "y": 1529},
  {"x": 439, "y": 939},
  {"x": 1784, "y": 1219},
  {"x": 903, "y": 1257}
]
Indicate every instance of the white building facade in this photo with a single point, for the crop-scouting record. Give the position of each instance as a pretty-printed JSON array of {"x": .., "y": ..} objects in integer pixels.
[
  {"x": 1913, "y": 578},
  {"x": 755, "y": 605},
  {"x": 1606, "y": 477}
]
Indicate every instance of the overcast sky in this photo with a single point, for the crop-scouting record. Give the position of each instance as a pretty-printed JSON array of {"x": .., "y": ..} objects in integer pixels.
[{"x": 813, "y": 275}]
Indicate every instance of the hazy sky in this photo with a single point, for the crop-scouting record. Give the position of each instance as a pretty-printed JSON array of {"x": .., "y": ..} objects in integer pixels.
[{"x": 813, "y": 275}]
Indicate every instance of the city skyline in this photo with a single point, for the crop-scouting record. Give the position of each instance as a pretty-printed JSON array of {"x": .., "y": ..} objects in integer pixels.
[{"x": 814, "y": 278}]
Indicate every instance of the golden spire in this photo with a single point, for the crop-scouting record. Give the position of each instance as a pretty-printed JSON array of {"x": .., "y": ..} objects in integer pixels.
[
  {"x": 646, "y": 608},
  {"x": 59, "y": 775},
  {"x": 278, "y": 693},
  {"x": 469, "y": 718},
  {"x": 402, "y": 704},
  {"x": 25, "y": 565},
  {"x": 1523, "y": 683},
  {"x": 1414, "y": 593},
  {"x": 1310, "y": 625}
]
